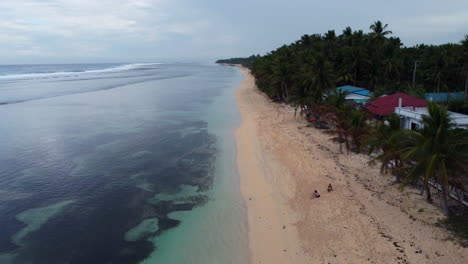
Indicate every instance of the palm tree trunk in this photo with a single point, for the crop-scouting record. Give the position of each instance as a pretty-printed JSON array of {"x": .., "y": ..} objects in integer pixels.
[
  {"x": 428, "y": 192},
  {"x": 340, "y": 138},
  {"x": 285, "y": 88},
  {"x": 347, "y": 144},
  {"x": 445, "y": 207},
  {"x": 399, "y": 165},
  {"x": 282, "y": 92}
]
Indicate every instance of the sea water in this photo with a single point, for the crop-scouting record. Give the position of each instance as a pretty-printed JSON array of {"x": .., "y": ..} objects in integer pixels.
[{"x": 120, "y": 163}]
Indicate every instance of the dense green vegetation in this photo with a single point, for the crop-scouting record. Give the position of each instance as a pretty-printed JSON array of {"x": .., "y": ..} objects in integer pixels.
[
  {"x": 246, "y": 62},
  {"x": 303, "y": 72},
  {"x": 436, "y": 154},
  {"x": 375, "y": 60}
]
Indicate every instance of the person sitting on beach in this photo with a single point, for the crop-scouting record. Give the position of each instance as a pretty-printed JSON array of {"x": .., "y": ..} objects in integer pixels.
[
  {"x": 317, "y": 194},
  {"x": 330, "y": 188}
]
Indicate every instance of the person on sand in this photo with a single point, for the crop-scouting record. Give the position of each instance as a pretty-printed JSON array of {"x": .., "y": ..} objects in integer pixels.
[
  {"x": 330, "y": 187},
  {"x": 317, "y": 194}
]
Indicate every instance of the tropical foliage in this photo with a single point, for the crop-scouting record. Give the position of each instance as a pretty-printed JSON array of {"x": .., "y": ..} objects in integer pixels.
[
  {"x": 437, "y": 152},
  {"x": 246, "y": 62},
  {"x": 306, "y": 72},
  {"x": 376, "y": 60}
]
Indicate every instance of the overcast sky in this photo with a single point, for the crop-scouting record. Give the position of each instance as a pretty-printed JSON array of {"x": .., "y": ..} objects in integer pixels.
[{"x": 58, "y": 31}]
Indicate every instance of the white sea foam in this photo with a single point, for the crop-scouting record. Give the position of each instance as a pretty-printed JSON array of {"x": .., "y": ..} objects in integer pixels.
[{"x": 121, "y": 68}]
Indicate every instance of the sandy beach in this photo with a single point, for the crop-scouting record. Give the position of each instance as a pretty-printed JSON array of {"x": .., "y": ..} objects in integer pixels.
[{"x": 365, "y": 219}]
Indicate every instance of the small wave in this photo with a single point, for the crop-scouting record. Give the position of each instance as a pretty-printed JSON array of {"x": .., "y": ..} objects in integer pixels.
[
  {"x": 90, "y": 90},
  {"x": 28, "y": 76}
]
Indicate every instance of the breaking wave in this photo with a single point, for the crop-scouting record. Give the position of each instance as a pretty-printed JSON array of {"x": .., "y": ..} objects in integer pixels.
[{"x": 45, "y": 75}]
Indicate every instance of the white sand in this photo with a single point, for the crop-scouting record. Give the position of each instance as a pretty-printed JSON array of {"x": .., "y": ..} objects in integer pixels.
[{"x": 366, "y": 219}]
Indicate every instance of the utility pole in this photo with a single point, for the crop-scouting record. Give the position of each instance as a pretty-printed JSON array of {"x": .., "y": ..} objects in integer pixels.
[
  {"x": 466, "y": 82},
  {"x": 414, "y": 72},
  {"x": 466, "y": 88}
]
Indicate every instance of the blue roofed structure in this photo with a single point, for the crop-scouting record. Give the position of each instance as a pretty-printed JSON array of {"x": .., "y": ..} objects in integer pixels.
[
  {"x": 363, "y": 93},
  {"x": 445, "y": 97}
]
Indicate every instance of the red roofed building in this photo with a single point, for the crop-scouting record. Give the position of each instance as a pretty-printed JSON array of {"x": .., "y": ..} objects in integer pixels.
[{"x": 385, "y": 105}]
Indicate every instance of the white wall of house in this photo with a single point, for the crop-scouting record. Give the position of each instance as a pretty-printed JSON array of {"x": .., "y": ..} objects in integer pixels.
[{"x": 411, "y": 117}]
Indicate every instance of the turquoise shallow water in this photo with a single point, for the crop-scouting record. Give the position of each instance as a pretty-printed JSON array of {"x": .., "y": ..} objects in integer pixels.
[
  {"x": 216, "y": 232},
  {"x": 132, "y": 164}
]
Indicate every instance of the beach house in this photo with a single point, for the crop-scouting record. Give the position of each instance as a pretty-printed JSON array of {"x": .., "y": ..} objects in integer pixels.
[
  {"x": 411, "y": 117},
  {"x": 385, "y": 105},
  {"x": 410, "y": 109},
  {"x": 355, "y": 94}
]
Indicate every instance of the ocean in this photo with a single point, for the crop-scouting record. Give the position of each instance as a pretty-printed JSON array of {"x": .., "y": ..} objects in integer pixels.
[{"x": 120, "y": 163}]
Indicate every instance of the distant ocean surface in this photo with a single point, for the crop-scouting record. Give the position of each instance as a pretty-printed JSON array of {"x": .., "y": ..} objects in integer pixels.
[{"x": 120, "y": 163}]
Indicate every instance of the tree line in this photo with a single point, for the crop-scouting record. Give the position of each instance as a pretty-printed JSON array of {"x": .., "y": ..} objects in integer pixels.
[
  {"x": 302, "y": 72},
  {"x": 375, "y": 60},
  {"x": 246, "y": 62}
]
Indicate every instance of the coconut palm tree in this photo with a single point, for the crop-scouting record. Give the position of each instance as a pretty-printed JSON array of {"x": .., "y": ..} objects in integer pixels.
[
  {"x": 337, "y": 98},
  {"x": 330, "y": 36},
  {"x": 437, "y": 151},
  {"x": 383, "y": 140},
  {"x": 342, "y": 124},
  {"x": 437, "y": 72},
  {"x": 355, "y": 58},
  {"x": 282, "y": 73},
  {"x": 347, "y": 32},
  {"x": 322, "y": 79},
  {"x": 359, "y": 128},
  {"x": 379, "y": 29},
  {"x": 464, "y": 42},
  {"x": 305, "y": 40}
]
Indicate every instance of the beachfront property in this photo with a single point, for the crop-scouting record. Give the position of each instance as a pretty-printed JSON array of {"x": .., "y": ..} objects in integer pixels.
[
  {"x": 356, "y": 94},
  {"x": 410, "y": 109},
  {"x": 385, "y": 105},
  {"x": 411, "y": 117},
  {"x": 445, "y": 97}
]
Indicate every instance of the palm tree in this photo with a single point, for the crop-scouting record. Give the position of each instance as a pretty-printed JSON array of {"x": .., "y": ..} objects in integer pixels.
[
  {"x": 355, "y": 58},
  {"x": 330, "y": 36},
  {"x": 392, "y": 64},
  {"x": 303, "y": 95},
  {"x": 337, "y": 98},
  {"x": 464, "y": 42},
  {"x": 342, "y": 125},
  {"x": 347, "y": 32},
  {"x": 322, "y": 77},
  {"x": 383, "y": 140},
  {"x": 358, "y": 127},
  {"x": 379, "y": 30},
  {"x": 338, "y": 111},
  {"x": 282, "y": 73},
  {"x": 305, "y": 40},
  {"x": 437, "y": 151},
  {"x": 439, "y": 69}
]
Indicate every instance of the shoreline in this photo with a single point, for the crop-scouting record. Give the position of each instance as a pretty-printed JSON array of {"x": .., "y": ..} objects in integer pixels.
[
  {"x": 366, "y": 219},
  {"x": 272, "y": 235}
]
